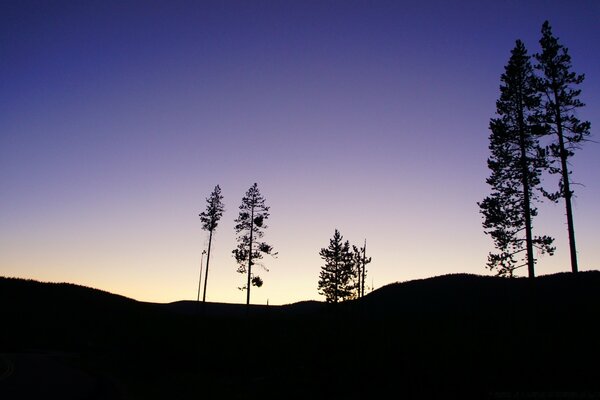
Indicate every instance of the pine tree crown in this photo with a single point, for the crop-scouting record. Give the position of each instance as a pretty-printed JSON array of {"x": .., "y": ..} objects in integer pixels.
[{"x": 214, "y": 210}]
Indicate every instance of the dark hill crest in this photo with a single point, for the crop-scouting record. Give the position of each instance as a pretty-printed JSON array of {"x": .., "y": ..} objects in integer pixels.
[
  {"x": 455, "y": 336},
  {"x": 476, "y": 293}
]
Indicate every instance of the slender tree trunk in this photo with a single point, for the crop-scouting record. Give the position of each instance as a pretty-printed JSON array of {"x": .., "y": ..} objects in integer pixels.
[
  {"x": 364, "y": 266},
  {"x": 200, "y": 280},
  {"x": 566, "y": 184},
  {"x": 526, "y": 197},
  {"x": 358, "y": 276},
  {"x": 337, "y": 279},
  {"x": 207, "y": 262},
  {"x": 528, "y": 235},
  {"x": 250, "y": 256}
]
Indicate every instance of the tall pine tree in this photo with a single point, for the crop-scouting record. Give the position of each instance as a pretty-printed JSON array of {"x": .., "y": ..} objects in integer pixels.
[
  {"x": 336, "y": 280},
  {"x": 516, "y": 163},
  {"x": 558, "y": 87},
  {"x": 210, "y": 219},
  {"x": 250, "y": 226}
]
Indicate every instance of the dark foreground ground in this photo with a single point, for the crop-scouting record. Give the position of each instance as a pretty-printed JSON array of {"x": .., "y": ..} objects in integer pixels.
[{"x": 451, "y": 337}]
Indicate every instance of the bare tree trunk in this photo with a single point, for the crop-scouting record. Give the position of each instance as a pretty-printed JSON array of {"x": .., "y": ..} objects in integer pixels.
[
  {"x": 358, "y": 276},
  {"x": 364, "y": 266},
  {"x": 566, "y": 185},
  {"x": 200, "y": 280},
  {"x": 337, "y": 278},
  {"x": 207, "y": 262}
]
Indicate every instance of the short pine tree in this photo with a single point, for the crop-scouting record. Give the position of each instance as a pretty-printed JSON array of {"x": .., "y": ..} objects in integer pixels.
[
  {"x": 336, "y": 280},
  {"x": 516, "y": 163}
]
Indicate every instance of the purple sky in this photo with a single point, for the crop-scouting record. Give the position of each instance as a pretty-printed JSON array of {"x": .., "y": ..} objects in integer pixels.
[{"x": 118, "y": 118}]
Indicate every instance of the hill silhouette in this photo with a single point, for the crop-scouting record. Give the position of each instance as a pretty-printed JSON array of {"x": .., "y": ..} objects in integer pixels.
[
  {"x": 485, "y": 294},
  {"x": 455, "y": 336}
]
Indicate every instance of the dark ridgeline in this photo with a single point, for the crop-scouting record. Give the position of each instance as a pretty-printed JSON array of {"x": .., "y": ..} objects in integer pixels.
[
  {"x": 558, "y": 87},
  {"x": 516, "y": 163},
  {"x": 210, "y": 220},
  {"x": 456, "y": 336},
  {"x": 250, "y": 226}
]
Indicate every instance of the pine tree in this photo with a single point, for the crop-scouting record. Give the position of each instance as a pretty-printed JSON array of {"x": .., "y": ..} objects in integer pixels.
[
  {"x": 210, "y": 219},
  {"x": 557, "y": 85},
  {"x": 338, "y": 273},
  {"x": 516, "y": 163},
  {"x": 250, "y": 226}
]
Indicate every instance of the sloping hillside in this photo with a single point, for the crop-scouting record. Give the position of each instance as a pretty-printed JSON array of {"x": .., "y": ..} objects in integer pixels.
[
  {"x": 456, "y": 336},
  {"x": 486, "y": 294}
]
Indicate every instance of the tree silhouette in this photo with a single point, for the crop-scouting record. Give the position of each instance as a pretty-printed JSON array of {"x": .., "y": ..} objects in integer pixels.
[
  {"x": 559, "y": 103},
  {"x": 210, "y": 219},
  {"x": 337, "y": 275},
  {"x": 250, "y": 226},
  {"x": 516, "y": 163},
  {"x": 360, "y": 262}
]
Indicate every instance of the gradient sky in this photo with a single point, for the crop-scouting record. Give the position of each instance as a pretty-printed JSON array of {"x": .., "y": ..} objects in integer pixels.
[{"x": 117, "y": 119}]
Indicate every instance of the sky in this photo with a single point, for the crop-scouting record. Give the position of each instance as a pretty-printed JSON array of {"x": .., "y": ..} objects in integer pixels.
[{"x": 118, "y": 118}]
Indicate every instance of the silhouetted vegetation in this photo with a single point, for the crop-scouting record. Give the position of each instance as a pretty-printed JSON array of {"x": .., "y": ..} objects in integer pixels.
[
  {"x": 338, "y": 274},
  {"x": 558, "y": 87},
  {"x": 210, "y": 220},
  {"x": 360, "y": 262},
  {"x": 343, "y": 275},
  {"x": 457, "y": 337},
  {"x": 250, "y": 226},
  {"x": 530, "y": 108},
  {"x": 516, "y": 163}
]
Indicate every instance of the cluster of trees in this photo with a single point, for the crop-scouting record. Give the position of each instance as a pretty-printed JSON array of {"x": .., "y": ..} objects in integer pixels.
[
  {"x": 536, "y": 132},
  {"x": 249, "y": 228},
  {"x": 343, "y": 275}
]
